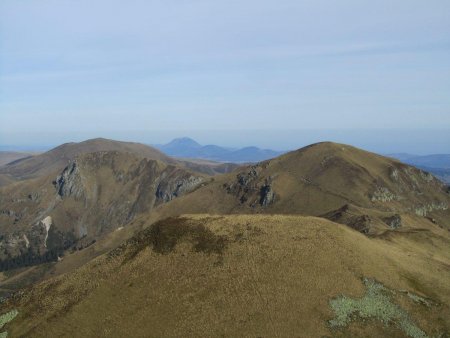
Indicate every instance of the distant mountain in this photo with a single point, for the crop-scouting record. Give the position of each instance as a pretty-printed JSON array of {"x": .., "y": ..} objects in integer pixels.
[
  {"x": 401, "y": 156},
  {"x": 430, "y": 161},
  {"x": 433, "y": 161},
  {"x": 437, "y": 164},
  {"x": 188, "y": 148}
]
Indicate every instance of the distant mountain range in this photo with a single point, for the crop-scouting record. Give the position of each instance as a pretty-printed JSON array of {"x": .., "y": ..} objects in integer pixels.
[
  {"x": 431, "y": 161},
  {"x": 437, "y": 164},
  {"x": 186, "y": 147}
]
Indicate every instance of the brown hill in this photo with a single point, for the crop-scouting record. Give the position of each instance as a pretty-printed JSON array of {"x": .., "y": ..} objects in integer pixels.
[
  {"x": 320, "y": 179},
  {"x": 59, "y": 157},
  {"x": 249, "y": 276}
]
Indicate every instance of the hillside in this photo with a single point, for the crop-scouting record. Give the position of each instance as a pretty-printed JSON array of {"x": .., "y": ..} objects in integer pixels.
[
  {"x": 253, "y": 276},
  {"x": 320, "y": 179},
  {"x": 10, "y": 156},
  {"x": 59, "y": 157},
  {"x": 94, "y": 195},
  {"x": 188, "y": 148}
]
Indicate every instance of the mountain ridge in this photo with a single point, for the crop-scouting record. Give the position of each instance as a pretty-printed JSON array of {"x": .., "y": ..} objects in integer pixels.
[{"x": 186, "y": 147}]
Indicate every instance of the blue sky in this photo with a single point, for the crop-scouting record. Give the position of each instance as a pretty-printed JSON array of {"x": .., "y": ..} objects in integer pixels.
[{"x": 152, "y": 70}]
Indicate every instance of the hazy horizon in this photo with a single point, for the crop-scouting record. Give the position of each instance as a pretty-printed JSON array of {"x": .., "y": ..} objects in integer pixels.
[
  {"x": 237, "y": 73},
  {"x": 425, "y": 142}
]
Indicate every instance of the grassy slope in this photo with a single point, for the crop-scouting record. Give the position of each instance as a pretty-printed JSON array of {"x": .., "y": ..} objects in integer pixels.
[
  {"x": 10, "y": 156},
  {"x": 273, "y": 277}
]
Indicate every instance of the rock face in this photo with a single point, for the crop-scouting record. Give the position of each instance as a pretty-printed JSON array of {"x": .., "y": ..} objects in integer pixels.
[
  {"x": 267, "y": 195},
  {"x": 168, "y": 190},
  {"x": 423, "y": 210},
  {"x": 40, "y": 243},
  {"x": 382, "y": 194},
  {"x": 394, "y": 221},
  {"x": 69, "y": 183},
  {"x": 251, "y": 188}
]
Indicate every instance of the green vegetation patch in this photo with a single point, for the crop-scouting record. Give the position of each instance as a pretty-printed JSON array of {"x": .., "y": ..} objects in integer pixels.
[
  {"x": 375, "y": 304},
  {"x": 5, "y": 319}
]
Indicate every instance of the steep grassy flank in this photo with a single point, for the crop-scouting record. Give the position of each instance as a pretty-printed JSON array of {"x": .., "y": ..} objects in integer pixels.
[{"x": 253, "y": 276}]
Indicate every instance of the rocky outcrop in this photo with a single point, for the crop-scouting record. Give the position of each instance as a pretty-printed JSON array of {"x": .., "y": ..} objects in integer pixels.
[
  {"x": 246, "y": 184},
  {"x": 17, "y": 216},
  {"x": 423, "y": 210},
  {"x": 394, "y": 174},
  {"x": 426, "y": 176},
  {"x": 69, "y": 183},
  {"x": 382, "y": 194},
  {"x": 40, "y": 244},
  {"x": 394, "y": 222},
  {"x": 346, "y": 215},
  {"x": 251, "y": 188},
  {"x": 167, "y": 190},
  {"x": 267, "y": 195}
]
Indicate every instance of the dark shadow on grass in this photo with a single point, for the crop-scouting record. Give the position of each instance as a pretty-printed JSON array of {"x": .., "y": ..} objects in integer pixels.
[{"x": 163, "y": 237}]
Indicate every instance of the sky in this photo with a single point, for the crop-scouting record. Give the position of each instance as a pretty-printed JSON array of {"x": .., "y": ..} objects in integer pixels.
[{"x": 276, "y": 74}]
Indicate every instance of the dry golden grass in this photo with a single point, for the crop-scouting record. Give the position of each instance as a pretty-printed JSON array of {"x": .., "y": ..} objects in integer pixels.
[{"x": 273, "y": 277}]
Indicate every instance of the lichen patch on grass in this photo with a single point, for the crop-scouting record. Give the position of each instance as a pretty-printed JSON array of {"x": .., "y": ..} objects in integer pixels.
[
  {"x": 376, "y": 304},
  {"x": 5, "y": 319}
]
